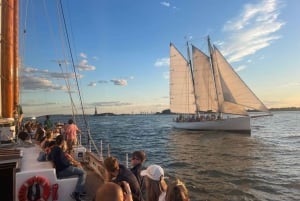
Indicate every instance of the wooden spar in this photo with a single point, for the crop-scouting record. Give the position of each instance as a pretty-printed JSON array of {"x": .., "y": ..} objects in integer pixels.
[
  {"x": 16, "y": 53},
  {"x": 7, "y": 58}
]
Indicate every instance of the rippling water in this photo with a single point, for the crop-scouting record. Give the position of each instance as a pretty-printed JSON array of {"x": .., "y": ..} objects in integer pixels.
[{"x": 214, "y": 165}]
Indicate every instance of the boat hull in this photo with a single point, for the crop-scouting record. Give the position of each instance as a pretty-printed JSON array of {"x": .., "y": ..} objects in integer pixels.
[{"x": 238, "y": 124}]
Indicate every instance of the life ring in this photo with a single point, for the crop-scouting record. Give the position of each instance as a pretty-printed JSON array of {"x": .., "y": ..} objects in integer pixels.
[{"x": 41, "y": 181}]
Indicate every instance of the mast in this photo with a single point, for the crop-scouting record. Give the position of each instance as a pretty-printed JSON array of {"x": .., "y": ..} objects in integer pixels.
[
  {"x": 192, "y": 74},
  {"x": 8, "y": 53},
  {"x": 213, "y": 69}
]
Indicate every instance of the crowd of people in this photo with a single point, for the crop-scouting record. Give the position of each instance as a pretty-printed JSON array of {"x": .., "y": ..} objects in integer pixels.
[{"x": 137, "y": 183}]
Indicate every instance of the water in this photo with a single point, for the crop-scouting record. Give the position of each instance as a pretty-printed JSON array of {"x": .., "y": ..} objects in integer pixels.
[{"x": 214, "y": 165}]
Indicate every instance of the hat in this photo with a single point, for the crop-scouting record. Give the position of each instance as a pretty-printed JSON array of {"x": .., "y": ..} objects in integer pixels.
[{"x": 154, "y": 172}]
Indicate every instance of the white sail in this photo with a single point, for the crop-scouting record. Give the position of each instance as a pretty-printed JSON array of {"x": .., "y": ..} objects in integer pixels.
[
  {"x": 182, "y": 99},
  {"x": 205, "y": 90},
  {"x": 237, "y": 95}
]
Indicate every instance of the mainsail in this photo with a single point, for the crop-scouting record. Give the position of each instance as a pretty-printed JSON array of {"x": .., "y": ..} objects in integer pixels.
[
  {"x": 182, "y": 98},
  {"x": 209, "y": 84}
]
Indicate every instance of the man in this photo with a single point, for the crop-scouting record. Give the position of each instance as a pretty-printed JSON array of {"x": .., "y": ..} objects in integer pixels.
[
  {"x": 137, "y": 160},
  {"x": 48, "y": 123},
  {"x": 71, "y": 134},
  {"x": 65, "y": 169},
  {"x": 119, "y": 173}
]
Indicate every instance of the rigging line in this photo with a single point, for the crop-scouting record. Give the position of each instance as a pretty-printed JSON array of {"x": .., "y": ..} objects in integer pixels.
[
  {"x": 76, "y": 78},
  {"x": 71, "y": 55}
]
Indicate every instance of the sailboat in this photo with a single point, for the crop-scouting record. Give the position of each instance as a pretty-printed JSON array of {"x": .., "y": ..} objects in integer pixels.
[
  {"x": 19, "y": 168},
  {"x": 208, "y": 94}
]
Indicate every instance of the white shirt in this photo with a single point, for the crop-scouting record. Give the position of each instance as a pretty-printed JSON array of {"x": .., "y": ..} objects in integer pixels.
[{"x": 162, "y": 196}]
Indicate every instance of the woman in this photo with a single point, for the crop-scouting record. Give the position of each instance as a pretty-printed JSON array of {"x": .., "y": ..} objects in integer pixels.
[
  {"x": 156, "y": 186},
  {"x": 177, "y": 192}
]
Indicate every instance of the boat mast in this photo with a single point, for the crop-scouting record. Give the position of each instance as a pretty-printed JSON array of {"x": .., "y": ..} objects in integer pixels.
[
  {"x": 9, "y": 57},
  {"x": 192, "y": 74},
  {"x": 210, "y": 48}
]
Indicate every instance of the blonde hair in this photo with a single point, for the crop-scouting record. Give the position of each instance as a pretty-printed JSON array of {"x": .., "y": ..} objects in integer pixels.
[{"x": 177, "y": 191}]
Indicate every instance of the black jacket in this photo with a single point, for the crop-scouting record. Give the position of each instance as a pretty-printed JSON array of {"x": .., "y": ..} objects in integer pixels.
[{"x": 126, "y": 175}]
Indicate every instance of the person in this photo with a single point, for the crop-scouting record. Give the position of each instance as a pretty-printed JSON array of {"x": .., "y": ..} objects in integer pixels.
[
  {"x": 71, "y": 134},
  {"x": 137, "y": 160},
  {"x": 18, "y": 113},
  {"x": 48, "y": 123},
  {"x": 177, "y": 191},
  {"x": 65, "y": 169},
  {"x": 118, "y": 173},
  {"x": 39, "y": 133},
  {"x": 110, "y": 191},
  {"x": 156, "y": 186}
]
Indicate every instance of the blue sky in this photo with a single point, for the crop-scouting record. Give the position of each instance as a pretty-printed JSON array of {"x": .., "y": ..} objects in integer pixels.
[{"x": 121, "y": 50}]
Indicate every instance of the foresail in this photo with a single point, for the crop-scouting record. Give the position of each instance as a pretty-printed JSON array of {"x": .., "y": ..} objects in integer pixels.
[
  {"x": 237, "y": 95},
  {"x": 206, "y": 98},
  {"x": 182, "y": 99}
]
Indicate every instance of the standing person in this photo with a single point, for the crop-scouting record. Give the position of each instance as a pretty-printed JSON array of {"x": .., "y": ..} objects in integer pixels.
[
  {"x": 65, "y": 169},
  {"x": 119, "y": 173},
  {"x": 71, "y": 134},
  {"x": 137, "y": 160},
  {"x": 177, "y": 192},
  {"x": 18, "y": 114},
  {"x": 156, "y": 186},
  {"x": 48, "y": 123}
]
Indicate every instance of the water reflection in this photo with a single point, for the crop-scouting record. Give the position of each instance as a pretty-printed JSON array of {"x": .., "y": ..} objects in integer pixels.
[{"x": 217, "y": 162}]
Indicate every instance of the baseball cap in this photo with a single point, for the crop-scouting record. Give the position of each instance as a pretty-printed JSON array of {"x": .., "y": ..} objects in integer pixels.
[{"x": 154, "y": 172}]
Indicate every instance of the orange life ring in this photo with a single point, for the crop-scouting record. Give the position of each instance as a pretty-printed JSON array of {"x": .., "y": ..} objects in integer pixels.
[{"x": 42, "y": 181}]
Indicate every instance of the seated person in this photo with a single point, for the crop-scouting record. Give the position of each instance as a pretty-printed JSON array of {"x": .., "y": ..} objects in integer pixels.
[
  {"x": 65, "y": 169},
  {"x": 119, "y": 173}
]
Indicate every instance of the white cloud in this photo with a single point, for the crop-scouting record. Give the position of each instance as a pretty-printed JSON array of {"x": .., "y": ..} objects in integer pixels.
[
  {"x": 83, "y": 55},
  {"x": 120, "y": 82},
  {"x": 92, "y": 84},
  {"x": 254, "y": 29},
  {"x": 84, "y": 66},
  {"x": 165, "y": 3},
  {"x": 162, "y": 62}
]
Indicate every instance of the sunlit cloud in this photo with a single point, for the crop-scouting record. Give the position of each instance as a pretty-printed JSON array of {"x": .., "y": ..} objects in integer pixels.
[
  {"x": 254, "y": 29},
  {"x": 120, "y": 82},
  {"x": 92, "y": 84},
  {"x": 39, "y": 83},
  {"x": 83, "y": 55},
  {"x": 162, "y": 62},
  {"x": 84, "y": 66}
]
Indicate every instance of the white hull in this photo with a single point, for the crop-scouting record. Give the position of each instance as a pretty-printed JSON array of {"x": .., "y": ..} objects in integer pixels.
[{"x": 238, "y": 124}]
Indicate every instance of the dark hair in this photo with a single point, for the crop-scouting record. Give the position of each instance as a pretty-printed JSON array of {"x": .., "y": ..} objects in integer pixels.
[
  {"x": 59, "y": 139},
  {"x": 139, "y": 155},
  {"x": 70, "y": 121}
]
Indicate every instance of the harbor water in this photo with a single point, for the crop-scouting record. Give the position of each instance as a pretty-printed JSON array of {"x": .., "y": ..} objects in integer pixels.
[{"x": 214, "y": 165}]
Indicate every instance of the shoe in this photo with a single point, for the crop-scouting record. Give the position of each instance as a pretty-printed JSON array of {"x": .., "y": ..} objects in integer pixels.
[{"x": 75, "y": 196}]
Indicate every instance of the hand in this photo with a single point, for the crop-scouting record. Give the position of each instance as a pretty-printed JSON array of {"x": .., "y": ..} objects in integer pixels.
[{"x": 127, "y": 191}]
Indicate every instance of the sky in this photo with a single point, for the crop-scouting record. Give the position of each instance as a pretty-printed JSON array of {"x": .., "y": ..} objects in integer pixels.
[{"x": 120, "y": 50}]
